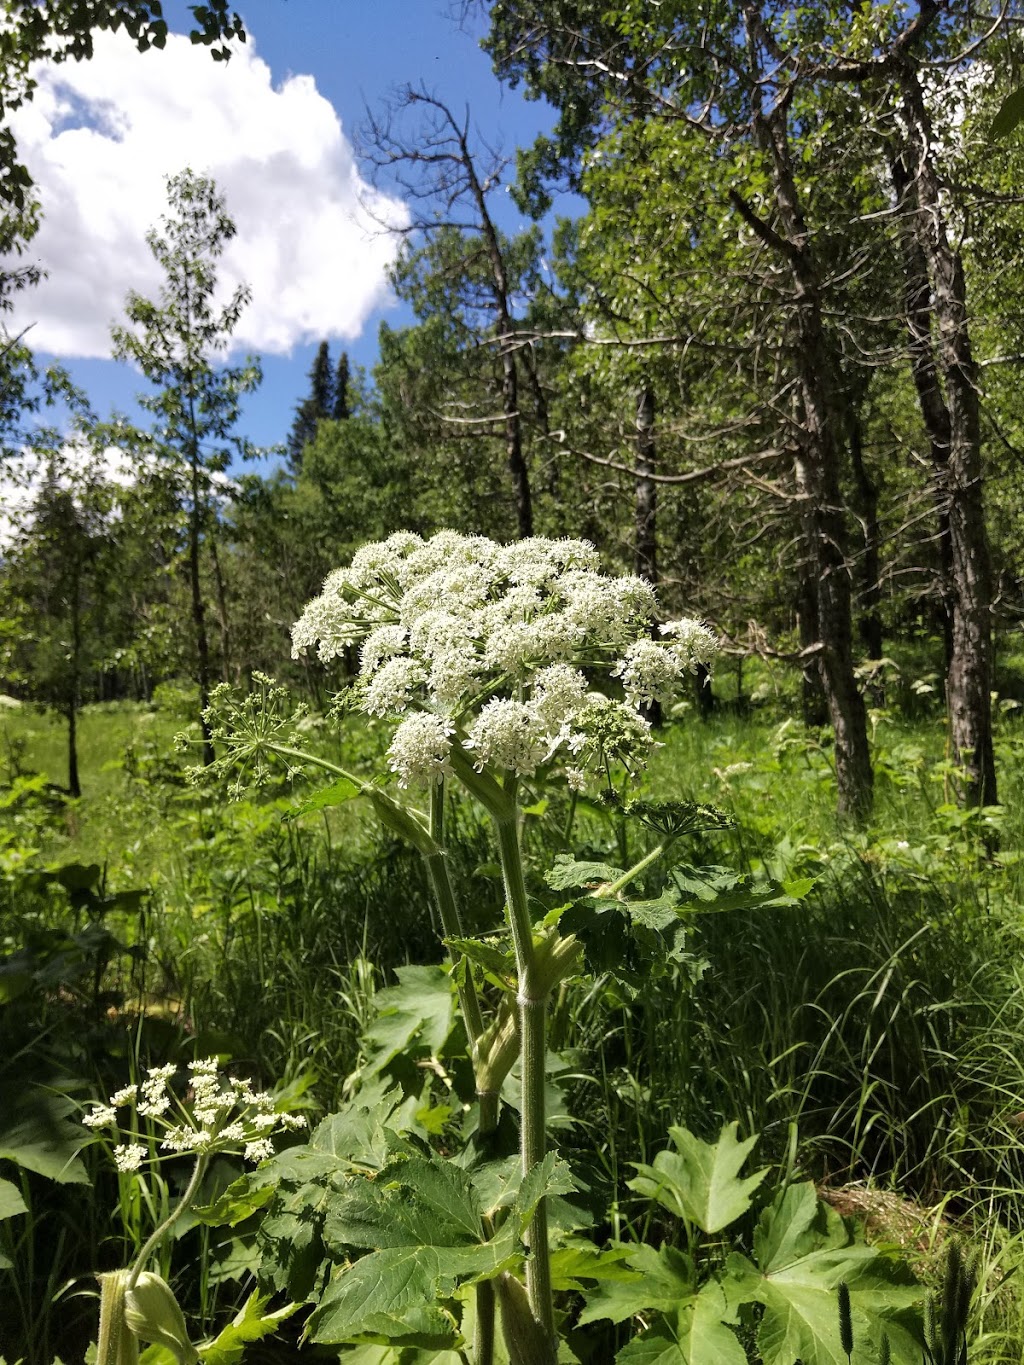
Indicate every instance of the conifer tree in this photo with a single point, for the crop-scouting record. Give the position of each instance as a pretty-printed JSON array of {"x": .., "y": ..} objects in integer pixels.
[
  {"x": 317, "y": 405},
  {"x": 340, "y": 409}
]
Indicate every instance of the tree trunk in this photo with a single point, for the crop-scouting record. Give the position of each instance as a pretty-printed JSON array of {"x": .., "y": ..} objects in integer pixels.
[
  {"x": 199, "y": 609},
  {"x": 969, "y": 681},
  {"x": 645, "y": 512},
  {"x": 509, "y": 374},
  {"x": 870, "y": 593},
  {"x": 222, "y": 611},
  {"x": 813, "y": 702},
  {"x": 817, "y": 478},
  {"x": 934, "y": 412},
  {"x": 74, "y": 784},
  {"x": 646, "y": 505}
]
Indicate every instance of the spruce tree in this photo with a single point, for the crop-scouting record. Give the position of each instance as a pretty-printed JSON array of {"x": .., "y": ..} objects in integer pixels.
[
  {"x": 317, "y": 405},
  {"x": 340, "y": 410}
]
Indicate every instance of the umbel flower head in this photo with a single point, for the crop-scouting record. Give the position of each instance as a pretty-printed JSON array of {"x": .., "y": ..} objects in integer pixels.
[
  {"x": 504, "y": 650},
  {"x": 219, "y": 1114}
]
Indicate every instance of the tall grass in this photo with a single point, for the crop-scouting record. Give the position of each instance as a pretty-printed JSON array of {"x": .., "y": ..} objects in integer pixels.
[{"x": 870, "y": 1034}]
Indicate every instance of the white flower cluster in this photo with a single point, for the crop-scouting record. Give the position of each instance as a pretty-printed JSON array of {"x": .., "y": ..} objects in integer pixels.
[
  {"x": 221, "y": 1113},
  {"x": 486, "y": 645}
]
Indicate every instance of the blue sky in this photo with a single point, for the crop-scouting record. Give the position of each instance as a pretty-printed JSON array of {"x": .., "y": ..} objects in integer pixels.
[{"x": 100, "y": 140}]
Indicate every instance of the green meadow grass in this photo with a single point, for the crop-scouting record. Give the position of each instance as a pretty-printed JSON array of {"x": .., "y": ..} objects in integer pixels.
[{"x": 871, "y": 1034}]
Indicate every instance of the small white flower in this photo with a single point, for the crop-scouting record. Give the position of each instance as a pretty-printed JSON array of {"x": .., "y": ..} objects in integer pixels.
[
  {"x": 420, "y": 749},
  {"x": 126, "y": 1095},
  {"x": 128, "y": 1156},
  {"x": 558, "y": 693},
  {"x": 102, "y": 1116},
  {"x": 576, "y": 779},
  {"x": 258, "y": 1150},
  {"x": 381, "y": 644},
  {"x": 390, "y": 688},
  {"x": 692, "y": 641},
  {"x": 509, "y": 735},
  {"x": 649, "y": 672},
  {"x": 153, "y": 1108}
]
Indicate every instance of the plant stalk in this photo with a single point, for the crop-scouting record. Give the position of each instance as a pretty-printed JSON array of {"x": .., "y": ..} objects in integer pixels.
[
  {"x": 469, "y": 1002},
  {"x": 613, "y": 888},
  {"x": 116, "y": 1343},
  {"x": 532, "y": 1003},
  {"x": 161, "y": 1232}
]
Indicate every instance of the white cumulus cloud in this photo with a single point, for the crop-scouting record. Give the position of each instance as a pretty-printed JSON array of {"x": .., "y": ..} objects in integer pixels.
[{"x": 100, "y": 137}]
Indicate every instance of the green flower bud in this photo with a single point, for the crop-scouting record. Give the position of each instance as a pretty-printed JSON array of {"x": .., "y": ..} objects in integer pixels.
[
  {"x": 117, "y": 1344},
  {"x": 525, "y": 1339},
  {"x": 152, "y": 1313}
]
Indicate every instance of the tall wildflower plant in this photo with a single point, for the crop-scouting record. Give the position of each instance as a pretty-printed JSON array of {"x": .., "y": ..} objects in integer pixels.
[
  {"x": 218, "y": 1114},
  {"x": 497, "y": 665}
]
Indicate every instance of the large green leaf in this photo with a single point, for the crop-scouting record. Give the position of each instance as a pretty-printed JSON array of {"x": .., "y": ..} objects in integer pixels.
[
  {"x": 335, "y": 795},
  {"x": 35, "y": 1133},
  {"x": 700, "y": 1182},
  {"x": 712, "y": 890},
  {"x": 419, "y": 1009},
  {"x": 11, "y": 1202},
  {"x": 577, "y": 1261},
  {"x": 568, "y": 874},
  {"x": 422, "y": 1216},
  {"x": 662, "y": 1280},
  {"x": 697, "y": 1335},
  {"x": 1009, "y": 115},
  {"x": 418, "y": 1202},
  {"x": 397, "y": 1293},
  {"x": 251, "y": 1323},
  {"x": 803, "y": 1252}
]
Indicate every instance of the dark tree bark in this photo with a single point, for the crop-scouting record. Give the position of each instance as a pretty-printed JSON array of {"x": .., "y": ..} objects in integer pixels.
[
  {"x": 506, "y": 336},
  {"x": 870, "y": 591},
  {"x": 945, "y": 376},
  {"x": 645, "y": 509},
  {"x": 813, "y": 702},
  {"x": 817, "y": 466},
  {"x": 932, "y": 402},
  {"x": 222, "y": 613},
  {"x": 646, "y": 490},
  {"x": 74, "y": 782}
]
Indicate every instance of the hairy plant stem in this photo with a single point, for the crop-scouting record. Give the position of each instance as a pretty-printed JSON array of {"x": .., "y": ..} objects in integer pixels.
[
  {"x": 613, "y": 888},
  {"x": 116, "y": 1344},
  {"x": 157, "y": 1237},
  {"x": 532, "y": 1002},
  {"x": 469, "y": 1002},
  {"x": 451, "y": 920}
]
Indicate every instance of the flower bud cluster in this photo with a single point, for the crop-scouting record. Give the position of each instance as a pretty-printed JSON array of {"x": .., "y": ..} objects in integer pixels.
[
  {"x": 498, "y": 648},
  {"x": 219, "y": 1114}
]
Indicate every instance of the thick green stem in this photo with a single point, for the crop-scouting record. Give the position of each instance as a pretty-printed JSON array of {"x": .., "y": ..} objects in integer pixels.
[
  {"x": 451, "y": 920},
  {"x": 116, "y": 1343},
  {"x": 154, "y": 1241},
  {"x": 613, "y": 888},
  {"x": 532, "y": 1003},
  {"x": 469, "y": 1001}
]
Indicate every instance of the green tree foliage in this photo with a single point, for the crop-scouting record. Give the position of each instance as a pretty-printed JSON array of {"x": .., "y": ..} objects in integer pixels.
[
  {"x": 59, "y": 619},
  {"x": 804, "y": 164},
  {"x": 340, "y": 409},
  {"x": 176, "y": 342},
  {"x": 318, "y": 404}
]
